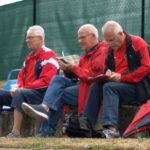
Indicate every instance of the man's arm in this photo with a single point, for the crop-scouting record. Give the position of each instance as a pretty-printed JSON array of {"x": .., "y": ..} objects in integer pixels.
[{"x": 143, "y": 70}]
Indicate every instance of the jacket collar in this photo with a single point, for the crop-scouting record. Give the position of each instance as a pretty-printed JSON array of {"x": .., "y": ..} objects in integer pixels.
[{"x": 93, "y": 49}]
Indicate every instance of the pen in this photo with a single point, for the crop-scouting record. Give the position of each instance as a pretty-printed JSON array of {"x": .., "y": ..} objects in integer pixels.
[{"x": 63, "y": 55}]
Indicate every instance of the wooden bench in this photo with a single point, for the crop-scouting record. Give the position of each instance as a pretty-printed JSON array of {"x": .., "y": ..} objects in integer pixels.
[{"x": 30, "y": 126}]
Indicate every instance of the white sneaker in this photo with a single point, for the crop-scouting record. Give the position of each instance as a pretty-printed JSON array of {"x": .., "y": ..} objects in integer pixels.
[
  {"x": 111, "y": 134},
  {"x": 35, "y": 111}
]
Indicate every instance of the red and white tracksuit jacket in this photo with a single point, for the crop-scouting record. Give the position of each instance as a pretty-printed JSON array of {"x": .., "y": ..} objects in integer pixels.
[{"x": 38, "y": 70}]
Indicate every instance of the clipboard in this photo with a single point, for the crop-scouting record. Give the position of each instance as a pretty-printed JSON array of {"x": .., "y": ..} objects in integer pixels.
[{"x": 99, "y": 78}]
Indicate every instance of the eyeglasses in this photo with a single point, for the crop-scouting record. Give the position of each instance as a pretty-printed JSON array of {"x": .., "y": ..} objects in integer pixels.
[
  {"x": 31, "y": 37},
  {"x": 84, "y": 36}
]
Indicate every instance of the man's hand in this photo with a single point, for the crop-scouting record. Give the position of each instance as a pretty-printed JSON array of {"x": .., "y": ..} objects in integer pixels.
[
  {"x": 116, "y": 77},
  {"x": 13, "y": 89},
  {"x": 67, "y": 65},
  {"x": 108, "y": 72}
]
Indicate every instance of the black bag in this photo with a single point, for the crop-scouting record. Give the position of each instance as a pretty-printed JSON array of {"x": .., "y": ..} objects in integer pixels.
[{"x": 74, "y": 130}]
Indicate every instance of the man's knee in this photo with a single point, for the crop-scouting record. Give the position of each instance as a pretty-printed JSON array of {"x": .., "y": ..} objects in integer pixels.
[
  {"x": 57, "y": 78},
  {"x": 18, "y": 95},
  {"x": 109, "y": 86},
  {"x": 22, "y": 91}
]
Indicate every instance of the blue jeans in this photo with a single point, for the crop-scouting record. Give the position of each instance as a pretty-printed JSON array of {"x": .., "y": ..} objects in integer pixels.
[
  {"x": 31, "y": 96},
  {"x": 62, "y": 91},
  {"x": 113, "y": 94}
]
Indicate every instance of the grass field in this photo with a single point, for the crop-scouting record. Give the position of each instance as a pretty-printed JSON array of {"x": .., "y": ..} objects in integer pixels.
[{"x": 37, "y": 143}]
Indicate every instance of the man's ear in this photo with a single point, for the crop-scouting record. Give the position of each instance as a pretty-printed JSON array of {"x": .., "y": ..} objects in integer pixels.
[{"x": 120, "y": 33}]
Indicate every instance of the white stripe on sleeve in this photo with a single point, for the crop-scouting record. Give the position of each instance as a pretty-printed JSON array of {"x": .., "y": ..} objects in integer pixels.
[{"x": 52, "y": 61}]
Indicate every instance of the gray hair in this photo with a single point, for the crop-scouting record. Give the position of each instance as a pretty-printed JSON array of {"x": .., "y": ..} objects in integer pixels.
[
  {"x": 112, "y": 25},
  {"x": 91, "y": 28},
  {"x": 38, "y": 31}
]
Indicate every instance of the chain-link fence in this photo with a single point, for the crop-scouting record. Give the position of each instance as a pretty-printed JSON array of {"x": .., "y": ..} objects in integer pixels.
[{"x": 61, "y": 20}]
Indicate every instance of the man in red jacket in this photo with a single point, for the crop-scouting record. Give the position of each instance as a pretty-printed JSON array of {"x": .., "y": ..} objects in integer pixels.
[
  {"x": 128, "y": 65},
  {"x": 65, "y": 91},
  {"x": 38, "y": 69}
]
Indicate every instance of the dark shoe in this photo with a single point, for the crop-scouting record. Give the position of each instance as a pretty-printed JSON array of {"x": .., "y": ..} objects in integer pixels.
[
  {"x": 83, "y": 124},
  {"x": 13, "y": 134},
  {"x": 108, "y": 134},
  {"x": 46, "y": 134},
  {"x": 98, "y": 134},
  {"x": 35, "y": 111},
  {"x": 46, "y": 131}
]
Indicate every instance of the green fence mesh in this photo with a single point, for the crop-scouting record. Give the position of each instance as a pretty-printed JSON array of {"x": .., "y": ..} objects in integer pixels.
[
  {"x": 61, "y": 20},
  {"x": 15, "y": 19}
]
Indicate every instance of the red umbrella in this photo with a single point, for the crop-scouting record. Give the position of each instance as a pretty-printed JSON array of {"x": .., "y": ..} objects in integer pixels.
[{"x": 141, "y": 120}]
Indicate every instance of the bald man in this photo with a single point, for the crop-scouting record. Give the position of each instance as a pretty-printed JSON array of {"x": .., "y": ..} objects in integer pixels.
[{"x": 65, "y": 91}]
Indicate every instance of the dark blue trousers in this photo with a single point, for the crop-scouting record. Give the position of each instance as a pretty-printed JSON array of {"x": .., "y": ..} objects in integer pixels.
[{"x": 113, "y": 94}]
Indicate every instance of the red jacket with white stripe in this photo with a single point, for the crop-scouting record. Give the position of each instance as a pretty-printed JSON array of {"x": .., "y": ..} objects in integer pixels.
[
  {"x": 90, "y": 65},
  {"x": 37, "y": 71}
]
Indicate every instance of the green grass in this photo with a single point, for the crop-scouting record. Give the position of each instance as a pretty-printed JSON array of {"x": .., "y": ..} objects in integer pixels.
[{"x": 36, "y": 143}]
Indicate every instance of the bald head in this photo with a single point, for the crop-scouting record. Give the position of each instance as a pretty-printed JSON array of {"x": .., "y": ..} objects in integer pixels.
[
  {"x": 89, "y": 28},
  {"x": 87, "y": 36}
]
